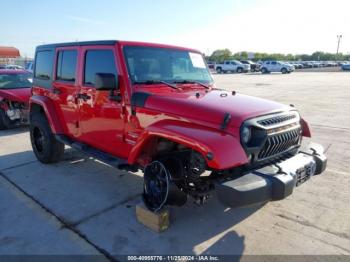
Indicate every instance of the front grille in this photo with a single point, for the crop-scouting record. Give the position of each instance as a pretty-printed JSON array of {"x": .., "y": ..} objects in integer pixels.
[
  {"x": 280, "y": 143},
  {"x": 276, "y": 119}
]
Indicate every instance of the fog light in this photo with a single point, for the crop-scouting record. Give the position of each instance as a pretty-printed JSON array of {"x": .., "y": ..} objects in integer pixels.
[{"x": 246, "y": 134}]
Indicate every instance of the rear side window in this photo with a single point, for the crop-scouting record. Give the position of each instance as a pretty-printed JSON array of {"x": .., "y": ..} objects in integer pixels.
[
  {"x": 43, "y": 65},
  {"x": 98, "y": 61},
  {"x": 66, "y": 65}
]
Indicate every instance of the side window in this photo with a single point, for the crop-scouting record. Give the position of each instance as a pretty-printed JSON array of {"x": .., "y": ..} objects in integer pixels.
[
  {"x": 273, "y": 63},
  {"x": 227, "y": 62},
  {"x": 43, "y": 65},
  {"x": 233, "y": 63},
  {"x": 98, "y": 61},
  {"x": 66, "y": 65}
]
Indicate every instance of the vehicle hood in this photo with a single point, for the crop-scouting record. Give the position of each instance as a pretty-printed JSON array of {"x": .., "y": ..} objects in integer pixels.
[
  {"x": 19, "y": 94},
  {"x": 212, "y": 106}
]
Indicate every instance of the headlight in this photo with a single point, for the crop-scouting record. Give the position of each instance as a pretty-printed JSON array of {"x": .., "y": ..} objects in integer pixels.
[{"x": 246, "y": 134}]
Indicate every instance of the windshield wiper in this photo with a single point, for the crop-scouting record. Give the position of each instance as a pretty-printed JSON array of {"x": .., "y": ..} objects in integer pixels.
[
  {"x": 192, "y": 82},
  {"x": 154, "y": 82}
]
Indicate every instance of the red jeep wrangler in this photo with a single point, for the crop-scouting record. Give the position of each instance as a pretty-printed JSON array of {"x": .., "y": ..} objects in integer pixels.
[{"x": 155, "y": 107}]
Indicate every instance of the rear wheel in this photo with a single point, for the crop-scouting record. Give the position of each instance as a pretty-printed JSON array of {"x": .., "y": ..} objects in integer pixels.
[
  {"x": 5, "y": 122},
  {"x": 219, "y": 70},
  {"x": 45, "y": 146},
  {"x": 264, "y": 70}
]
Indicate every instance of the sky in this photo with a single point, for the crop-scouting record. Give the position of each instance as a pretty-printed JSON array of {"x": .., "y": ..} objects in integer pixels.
[{"x": 279, "y": 26}]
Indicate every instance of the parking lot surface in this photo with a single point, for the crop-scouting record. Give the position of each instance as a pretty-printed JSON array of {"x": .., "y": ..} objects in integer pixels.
[{"x": 82, "y": 206}]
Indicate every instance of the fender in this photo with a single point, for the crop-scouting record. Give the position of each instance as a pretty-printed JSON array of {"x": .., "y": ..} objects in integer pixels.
[
  {"x": 221, "y": 150},
  {"x": 305, "y": 127},
  {"x": 49, "y": 111}
]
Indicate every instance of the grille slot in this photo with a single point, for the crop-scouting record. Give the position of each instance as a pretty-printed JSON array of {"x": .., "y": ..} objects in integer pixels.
[
  {"x": 276, "y": 120},
  {"x": 280, "y": 143}
]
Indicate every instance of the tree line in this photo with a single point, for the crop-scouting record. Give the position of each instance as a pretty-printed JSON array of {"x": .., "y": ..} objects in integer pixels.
[{"x": 225, "y": 54}]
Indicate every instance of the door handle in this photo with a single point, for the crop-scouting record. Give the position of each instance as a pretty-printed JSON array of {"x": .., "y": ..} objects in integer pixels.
[
  {"x": 56, "y": 91},
  {"x": 83, "y": 96}
]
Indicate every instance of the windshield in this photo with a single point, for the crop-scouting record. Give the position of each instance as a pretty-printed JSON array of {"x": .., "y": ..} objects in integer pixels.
[
  {"x": 163, "y": 64},
  {"x": 13, "y": 81}
]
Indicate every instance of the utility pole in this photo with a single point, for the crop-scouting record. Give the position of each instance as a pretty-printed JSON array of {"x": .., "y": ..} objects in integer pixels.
[{"x": 339, "y": 38}]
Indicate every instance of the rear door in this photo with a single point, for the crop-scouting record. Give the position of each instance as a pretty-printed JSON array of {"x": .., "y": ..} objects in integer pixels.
[
  {"x": 274, "y": 66},
  {"x": 101, "y": 119},
  {"x": 65, "y": 88},
  {"x": 234, "y": 66}
]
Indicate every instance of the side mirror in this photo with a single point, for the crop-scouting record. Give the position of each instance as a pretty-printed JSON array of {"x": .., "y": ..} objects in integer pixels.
[{"x": 106, "y": 81}]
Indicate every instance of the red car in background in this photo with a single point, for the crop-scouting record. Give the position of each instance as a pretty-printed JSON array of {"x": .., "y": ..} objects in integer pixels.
[{"x": 15, "y": 91}]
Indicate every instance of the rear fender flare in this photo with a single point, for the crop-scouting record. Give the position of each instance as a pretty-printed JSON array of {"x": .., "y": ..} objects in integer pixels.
[
  {"x": 49, "y": 110},
  {"x": 225, "y": 149}
]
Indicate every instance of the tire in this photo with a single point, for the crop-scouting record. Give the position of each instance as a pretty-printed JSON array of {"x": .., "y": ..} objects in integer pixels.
[
  {"x": 239, "y": 70},
  {"x": 283, "y": 70},
  {"x": 264, "y": 70},
  {"x": 45, "y": 146},
  {"x": 5, "y": 122},
  {"x": 219, "y": 70}
]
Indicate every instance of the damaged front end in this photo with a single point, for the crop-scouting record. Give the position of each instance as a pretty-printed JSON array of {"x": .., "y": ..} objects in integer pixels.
[
  {"x": 278, "y": 161},
  {"x": 272, "y": 182},
  {"x": 13, "y": 113}
]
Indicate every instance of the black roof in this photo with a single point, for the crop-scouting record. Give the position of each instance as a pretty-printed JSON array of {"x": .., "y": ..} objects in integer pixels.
[{"x": 100, "y": 42}]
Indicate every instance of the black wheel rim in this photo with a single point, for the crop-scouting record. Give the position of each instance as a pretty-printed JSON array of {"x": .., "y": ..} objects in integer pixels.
[
  {"x": 156, "y": 185},
  {"x": 39, "y": 139}
]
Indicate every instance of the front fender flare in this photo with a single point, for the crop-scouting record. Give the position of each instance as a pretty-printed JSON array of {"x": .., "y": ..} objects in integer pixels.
[
  {"x": 226, "y": 149},
  {"x": 305, "y": 128}
]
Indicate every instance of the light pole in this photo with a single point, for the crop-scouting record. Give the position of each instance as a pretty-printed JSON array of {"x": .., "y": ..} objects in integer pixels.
[{"x": 339, "y": 38}]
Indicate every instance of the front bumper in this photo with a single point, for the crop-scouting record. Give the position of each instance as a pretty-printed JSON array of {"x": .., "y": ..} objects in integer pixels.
[{"x": 274, "y": 182}]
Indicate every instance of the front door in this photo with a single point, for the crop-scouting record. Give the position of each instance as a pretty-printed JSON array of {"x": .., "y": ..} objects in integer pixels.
[
  {"x": 101, "y": 119},
  {"x": 65, "y": 88}
]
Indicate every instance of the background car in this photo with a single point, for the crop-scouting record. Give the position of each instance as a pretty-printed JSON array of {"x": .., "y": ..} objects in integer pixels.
[
  {"x": 232, "y": 66},
  {"x": 30, "y": 67},
  {"x": 211, "y": 65},
  {"x": 297, "y": 65},
  {"x": 15, "y": 87},
  {"x": 254, "y": 67},
  {"x": 345, "y": 67},
  {"x": 276, "y": 66},
  {"x": 14, "y": 67}
]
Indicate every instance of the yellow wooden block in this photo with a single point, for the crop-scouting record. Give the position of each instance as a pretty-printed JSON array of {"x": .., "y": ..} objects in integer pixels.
[{"x": 157, "y": 221}]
